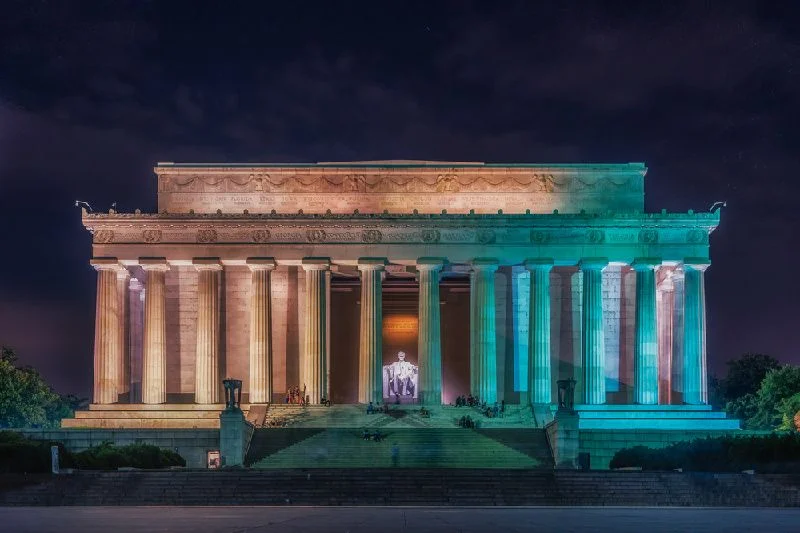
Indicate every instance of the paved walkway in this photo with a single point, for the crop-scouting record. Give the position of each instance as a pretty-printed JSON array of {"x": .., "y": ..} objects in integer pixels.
[{"x": 392, "y": 519}]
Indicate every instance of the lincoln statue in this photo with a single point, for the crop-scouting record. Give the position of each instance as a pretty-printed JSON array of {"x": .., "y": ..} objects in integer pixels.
[{"x": 400, "y": 378}]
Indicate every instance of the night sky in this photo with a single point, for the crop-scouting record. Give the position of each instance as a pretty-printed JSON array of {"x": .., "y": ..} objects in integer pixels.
[{"x": 707, "y": 94}]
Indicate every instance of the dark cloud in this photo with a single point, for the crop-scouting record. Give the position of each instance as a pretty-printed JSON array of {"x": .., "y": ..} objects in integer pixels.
[{"x": 93, "y": 94}]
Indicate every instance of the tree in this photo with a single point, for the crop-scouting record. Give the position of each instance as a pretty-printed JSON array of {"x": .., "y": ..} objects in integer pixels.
[
  {"x": 778, "y": 386},
  {"x": 790, "y": 413},
  {"x": 26, "y": 400},
  {"x": 744, "y": 408},
  {"x": 746, "y": 374}
]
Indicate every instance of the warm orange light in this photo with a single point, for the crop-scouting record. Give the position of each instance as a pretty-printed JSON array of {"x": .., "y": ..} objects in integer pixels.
[{"x": 400, "y": 324}]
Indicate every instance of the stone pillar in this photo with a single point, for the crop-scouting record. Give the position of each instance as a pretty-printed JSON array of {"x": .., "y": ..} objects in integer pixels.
[
  {"x": 206, "y": 371},
  {"x": 429, "y": 343},
  {"x": 592, "y": 338},
  {"x": 645, "y": 348},
  {"x": 473, "y": 365},
  {"x": 154, "y": 356},
  {"x": 539, "y": 380},
  {"x": 315, "y": 336},
  {"x": 108, "y": 348},
  {"x": 484, "y": 342},
  {"x": 370, "y": 345},
  {"x": 136, "y": 316},
  {"x": 665, "y": 297},
  {"x": 695, "y": 386},
  {"x": 123, "y": 278},
  {"x": 260, "y": 329}
]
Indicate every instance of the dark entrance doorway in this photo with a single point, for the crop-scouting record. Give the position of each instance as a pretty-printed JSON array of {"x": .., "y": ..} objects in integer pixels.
[{"x": 400, "y": 331}]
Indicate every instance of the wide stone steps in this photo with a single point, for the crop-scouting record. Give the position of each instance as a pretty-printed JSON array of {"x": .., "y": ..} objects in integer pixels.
[
  {"x": 418, "y": 448},
  {"x": 408, "y": 487}
]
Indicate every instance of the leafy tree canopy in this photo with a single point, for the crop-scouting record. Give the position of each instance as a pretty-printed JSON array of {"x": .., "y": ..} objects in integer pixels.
[
  {"x": 778, "y": 386},
  {"x": 746, "y": 374},
  {"x": 26, "y": 400}
]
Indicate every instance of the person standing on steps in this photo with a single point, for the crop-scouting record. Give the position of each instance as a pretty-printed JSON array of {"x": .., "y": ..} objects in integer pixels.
[{"x": 395, "y": 454}]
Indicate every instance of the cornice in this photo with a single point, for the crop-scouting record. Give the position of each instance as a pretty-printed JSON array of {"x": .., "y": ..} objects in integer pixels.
[{"x": 532, "y": 229}]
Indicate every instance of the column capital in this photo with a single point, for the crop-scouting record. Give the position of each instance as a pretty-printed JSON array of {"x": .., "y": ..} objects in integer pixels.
[
  {"x": 539, "y": 263},
  {"x": 372, "y": 263},
  {"x": 697, "y": 263},
  {"x": 207, "y": 263},
  {"x": 486, "y": 264},
  {"x": 316, "y": 263},
  {"x": 154, "y": 263},
  {"x": 107, "y": 263},
  {"x": 593, "y": 263},
  {"x": 646, "y": 263},
  {"x": 430, "y": 263},
  {"x": 261, "y": 263}
]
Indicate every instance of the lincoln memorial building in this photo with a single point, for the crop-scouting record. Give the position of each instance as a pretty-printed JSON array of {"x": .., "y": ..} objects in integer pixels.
[{"x": 401, "y": 282}]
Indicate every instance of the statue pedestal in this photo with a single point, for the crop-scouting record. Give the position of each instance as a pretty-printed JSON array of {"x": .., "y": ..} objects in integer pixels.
[
  {"x": 234, "y": 434},
  {"x": 562, "y": 433}
]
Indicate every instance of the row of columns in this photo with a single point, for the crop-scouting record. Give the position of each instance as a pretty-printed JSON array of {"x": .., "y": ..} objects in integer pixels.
[
  {"x": 645, "y": 337},
  {"x": 111, "y": 369}
]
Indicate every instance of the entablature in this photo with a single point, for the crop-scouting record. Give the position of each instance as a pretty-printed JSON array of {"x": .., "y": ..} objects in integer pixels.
[{"x": 500, "y": 229}]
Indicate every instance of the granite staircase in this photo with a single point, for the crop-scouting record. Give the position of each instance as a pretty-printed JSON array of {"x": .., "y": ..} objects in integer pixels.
[
  {"x": 419, "y": 447},
  {"x": 421, "y": 487}
]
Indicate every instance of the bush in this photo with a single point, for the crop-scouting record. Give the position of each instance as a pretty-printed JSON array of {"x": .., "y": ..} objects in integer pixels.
[
  {"x": 767, "y": 453},
  {"x": 19, "y": 454},
  {"x": 109, "y": 457}
]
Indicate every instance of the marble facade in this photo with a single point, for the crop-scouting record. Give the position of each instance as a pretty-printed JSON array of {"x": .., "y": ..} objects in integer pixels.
[{"x": 232, "y": 278}]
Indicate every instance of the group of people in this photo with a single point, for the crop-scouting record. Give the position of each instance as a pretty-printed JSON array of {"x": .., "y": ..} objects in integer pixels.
[
  {"x": 294, "y": 396},
  {"x": 376, "y": 436},
  {"x": 467, "y": 422},
  {"x": 491, "y": 411},
  {"x": 494, "y": 411},
  {"x": 372, "y": 409},
  {"x": 467, "y": 401}
]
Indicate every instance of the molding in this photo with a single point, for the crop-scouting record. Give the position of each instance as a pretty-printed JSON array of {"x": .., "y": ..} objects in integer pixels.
[
  {"x": 261, "y": 263},
  {"x": 593, "y": 263}
]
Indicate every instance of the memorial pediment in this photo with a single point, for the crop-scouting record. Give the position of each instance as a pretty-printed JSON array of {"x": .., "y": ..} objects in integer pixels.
[{"x": 400, "y": 187}]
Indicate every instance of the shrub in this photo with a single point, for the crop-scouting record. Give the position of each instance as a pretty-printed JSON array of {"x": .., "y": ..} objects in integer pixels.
[
  {"x": 19, "y": 454},
  {"x": 768, "y": 453},
  {"x": 109, "y": 457}
]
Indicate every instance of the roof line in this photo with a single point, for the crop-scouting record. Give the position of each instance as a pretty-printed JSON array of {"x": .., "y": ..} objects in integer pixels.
[{"x": 433, "y": 164}]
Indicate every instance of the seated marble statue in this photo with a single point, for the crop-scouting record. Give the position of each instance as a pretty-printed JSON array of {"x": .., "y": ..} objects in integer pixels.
[{"x": 400, "y": 378}]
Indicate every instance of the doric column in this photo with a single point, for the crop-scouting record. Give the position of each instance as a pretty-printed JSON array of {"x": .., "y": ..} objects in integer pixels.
[
  {"x": 370, "y": 345},
  {"x": 315, "y": 336},
  {"x": 136, "y": 325},
  {"x": 123, "y": 278},
  {"x": 107, "y": 332},
  {"x": 539, "y": 380},
  {"x": 154, "y": 355},
  {"x": 665, "y": 298},
  {"x": 645, "y": 348},
  {"x": 429, "y": 343},
  {"x": 695, "y": 387},
  {"x": 260, "y": 329},
  {"x": 593, "y": 340},
  {"x": 206, "y": 371},
  {"x": 484, "y": 342},
  {"x": 473, "y": 365}
]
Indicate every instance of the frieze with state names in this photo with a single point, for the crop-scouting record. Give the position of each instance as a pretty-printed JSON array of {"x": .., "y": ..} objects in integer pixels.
[
  {"x": 429, "y": 190},
  {"x": 105, "y": 233}
]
